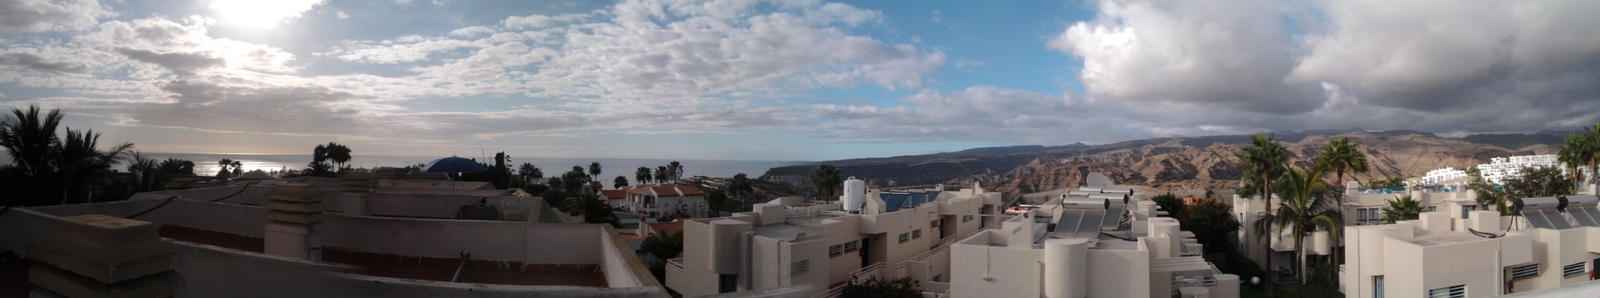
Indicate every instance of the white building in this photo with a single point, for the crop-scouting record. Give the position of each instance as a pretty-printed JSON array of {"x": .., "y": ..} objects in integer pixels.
[
  {"x": 1439, "y": 176},
  {"x": 815, "y": 248},
  {"x": 1500, "y": 168},
  {"x": 661, "y": 200},
  {"x": 1554, "y": 244},
  {"x": 1087, "y": 243}
]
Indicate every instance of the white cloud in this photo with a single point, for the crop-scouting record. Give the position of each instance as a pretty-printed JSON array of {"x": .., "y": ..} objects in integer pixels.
[
  {"x": 1232, "y": 54},
  {"x": 342, "y": 15}
]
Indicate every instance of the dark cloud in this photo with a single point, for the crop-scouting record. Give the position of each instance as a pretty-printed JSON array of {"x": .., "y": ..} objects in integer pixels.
[
  {"x": 182, "y": 64},
  {"x": 34, "y": 63}
]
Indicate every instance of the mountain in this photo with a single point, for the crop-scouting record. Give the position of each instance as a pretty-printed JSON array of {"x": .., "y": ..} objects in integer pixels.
[{"x": 1182, "y": 164}]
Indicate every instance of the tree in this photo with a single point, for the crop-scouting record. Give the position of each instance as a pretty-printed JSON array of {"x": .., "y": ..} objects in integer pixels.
[
  {"x": 594, "y": 170},
  {"x": 663, "y": 246},
  {"x": 1263, "y": 161},
  {"x": 903, "y": 287},
  {"x": 642, "y": 175},
  {"x": 225, "y": 167},
  {"x": 1538, "y": 181},
  {"x": 1488, "y": 194},
  {"x": 1171, "y": 204},
  {"x": 825, "y": 180},
  {"x": 741, "y": 186},
  {"x": 82, "y": 166},
  {"x": 1582, "y": 149},
  {"x": 174, "y": 167},
  {"x": 619, "y": 182},
  {"x": 147, "y": 175},
  {"x": 529, "y": 173},
  {"x": 1213, "y": 225},
  {"x": 593, "y": 209},
  {"x": 575, "y": 181},
  {"x": 1402, "y": 208},
  {"x": 339, "y": 154},
  {"x": 716, "y": 199},
  {"x": 319, "y": 162},
  {"x": 45, "y": 166},
  {"x": 1304, "y": 207},
  {"x": 662, "y": 175},
  {"x": 1341, "y": 155},
  {"x": 675, "y": 171}
]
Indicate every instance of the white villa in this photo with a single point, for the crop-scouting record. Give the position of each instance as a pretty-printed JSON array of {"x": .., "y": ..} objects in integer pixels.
[{"x": 660, "y": 200}]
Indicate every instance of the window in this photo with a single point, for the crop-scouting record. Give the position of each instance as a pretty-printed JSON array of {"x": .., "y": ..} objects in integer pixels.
[
  {"x": 727, "y": 283},
  {"x": 853, "y": 245},
  {"x": 966, "y": 218},
  {"x": 1573, "y": 269},
  {"x": 938, "y": 277},
  {"x": 934, "y": 223},
  {"x": 1433, "y": 208},
  {"x": 1466, "y": 209},
  {"x": 905, "y": 237},
  {"x": 835, "y": 250},
  {"x": 1368, "y": 216},
  {"x": 1377, "y": 286},
  {"x": 1525, "y": 271},
  {"x": 799, "y": 267},
  {"x": 916, "y": 234},
  {"x": 1456, "y": 291}
]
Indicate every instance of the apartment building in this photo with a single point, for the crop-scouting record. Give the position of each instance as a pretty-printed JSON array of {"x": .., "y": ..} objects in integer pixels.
[{"x": 789, "y": 244}]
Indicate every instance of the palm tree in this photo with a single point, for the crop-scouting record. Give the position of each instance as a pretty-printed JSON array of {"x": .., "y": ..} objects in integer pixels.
[
  {"x": 174, "y": 167},
  {"x": 1263, "y": 161},
  {"x": 825, "y": 179},
  {"x": 642, "y": 175},
  {"x": 620, "y": 182},
  {"x": 594, "y": 170},
  {"x": 31, "y": 141},
  {"x": 740, "y": 187},
  {"x": 675, "y": 170},
  {"x": 1303, "y": 209},
  {"x": 1340, "y": 155},
  {"x": 147, "y": 175},
  {"x": 340, "y": 154},
  {"x": 1572, "y": 154},
  {"x": 528, "y": 173},
  {"x": 81, "y": 164},
  {"x": 662, "y": 174},
  {"x": 1402, "y": 208}
]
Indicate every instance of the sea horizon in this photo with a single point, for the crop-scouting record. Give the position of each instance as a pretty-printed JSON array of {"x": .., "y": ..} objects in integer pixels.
[{"x": 206, "y": 163}]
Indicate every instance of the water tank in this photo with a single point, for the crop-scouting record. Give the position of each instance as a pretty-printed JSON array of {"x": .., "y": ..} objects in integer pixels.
[
  {"x": 855, "y": 194},
  {"x": 1066, "y": 267}
]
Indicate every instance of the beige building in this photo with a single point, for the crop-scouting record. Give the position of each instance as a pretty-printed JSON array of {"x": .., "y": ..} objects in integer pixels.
[
  {"x": 1087, "y": 243},
  {"x": 1554, "y": 243},
  {"x": 815, "y": 248}
]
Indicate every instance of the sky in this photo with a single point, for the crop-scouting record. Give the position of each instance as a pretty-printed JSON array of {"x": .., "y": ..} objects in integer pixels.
[{"x": 786, "y": 80}]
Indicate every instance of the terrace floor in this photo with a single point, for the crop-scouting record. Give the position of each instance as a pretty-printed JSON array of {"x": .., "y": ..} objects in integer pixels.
[{"x": 412, "y": 267}]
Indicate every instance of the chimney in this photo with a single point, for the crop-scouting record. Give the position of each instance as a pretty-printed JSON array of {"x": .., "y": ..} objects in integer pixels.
[
  {"x": 294, "y": 218},
  {"x": 103, "y": 256}
]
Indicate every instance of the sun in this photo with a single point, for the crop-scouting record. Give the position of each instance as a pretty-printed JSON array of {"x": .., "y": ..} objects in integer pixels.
[{"x": 260, "y": 14}]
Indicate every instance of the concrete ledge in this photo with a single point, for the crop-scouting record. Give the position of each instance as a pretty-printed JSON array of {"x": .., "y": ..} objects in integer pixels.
[{"x": 71, "y": 285}]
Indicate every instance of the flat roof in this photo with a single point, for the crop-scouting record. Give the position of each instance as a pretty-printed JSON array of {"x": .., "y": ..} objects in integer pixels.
[{"x": 1444, "y": 238}]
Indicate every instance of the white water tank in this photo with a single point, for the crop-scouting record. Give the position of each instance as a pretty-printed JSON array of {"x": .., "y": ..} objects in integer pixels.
[
  {"x": 855, "y": 194},
  {"x": 1066, "y": 268}
]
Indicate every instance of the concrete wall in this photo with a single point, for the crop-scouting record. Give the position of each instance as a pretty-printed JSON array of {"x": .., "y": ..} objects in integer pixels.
[
  {"x": 210, "y": 271},
  {"x": 486, "y": 240},
  {"x": 1120, "y": 273},
  {"x": 990, "y": 271},
  {"x": 696, "y": 277}
]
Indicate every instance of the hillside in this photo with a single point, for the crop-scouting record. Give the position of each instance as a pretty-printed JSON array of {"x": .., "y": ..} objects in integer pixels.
[{"x": 1184, "y": 164}]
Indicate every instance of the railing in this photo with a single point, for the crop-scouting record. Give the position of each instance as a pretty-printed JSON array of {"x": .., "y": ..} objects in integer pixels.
[{"x": 675, "y": 263}]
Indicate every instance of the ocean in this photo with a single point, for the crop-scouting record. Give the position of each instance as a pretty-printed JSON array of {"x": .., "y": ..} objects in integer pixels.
[{"x": 206, "y": 164}]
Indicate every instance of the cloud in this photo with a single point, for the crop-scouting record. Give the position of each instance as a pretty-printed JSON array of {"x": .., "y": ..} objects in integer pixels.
[
  {"x": 34, "y": 63},
  {"x": 1264, "y": 65},
  {"x": 182, "y": 64},
  {"x": 1228, "y": 55},
  {"x": 188, "y": 35},
  {"x": 981, "y": 113},
  {"x": 46, "y": 15}
]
